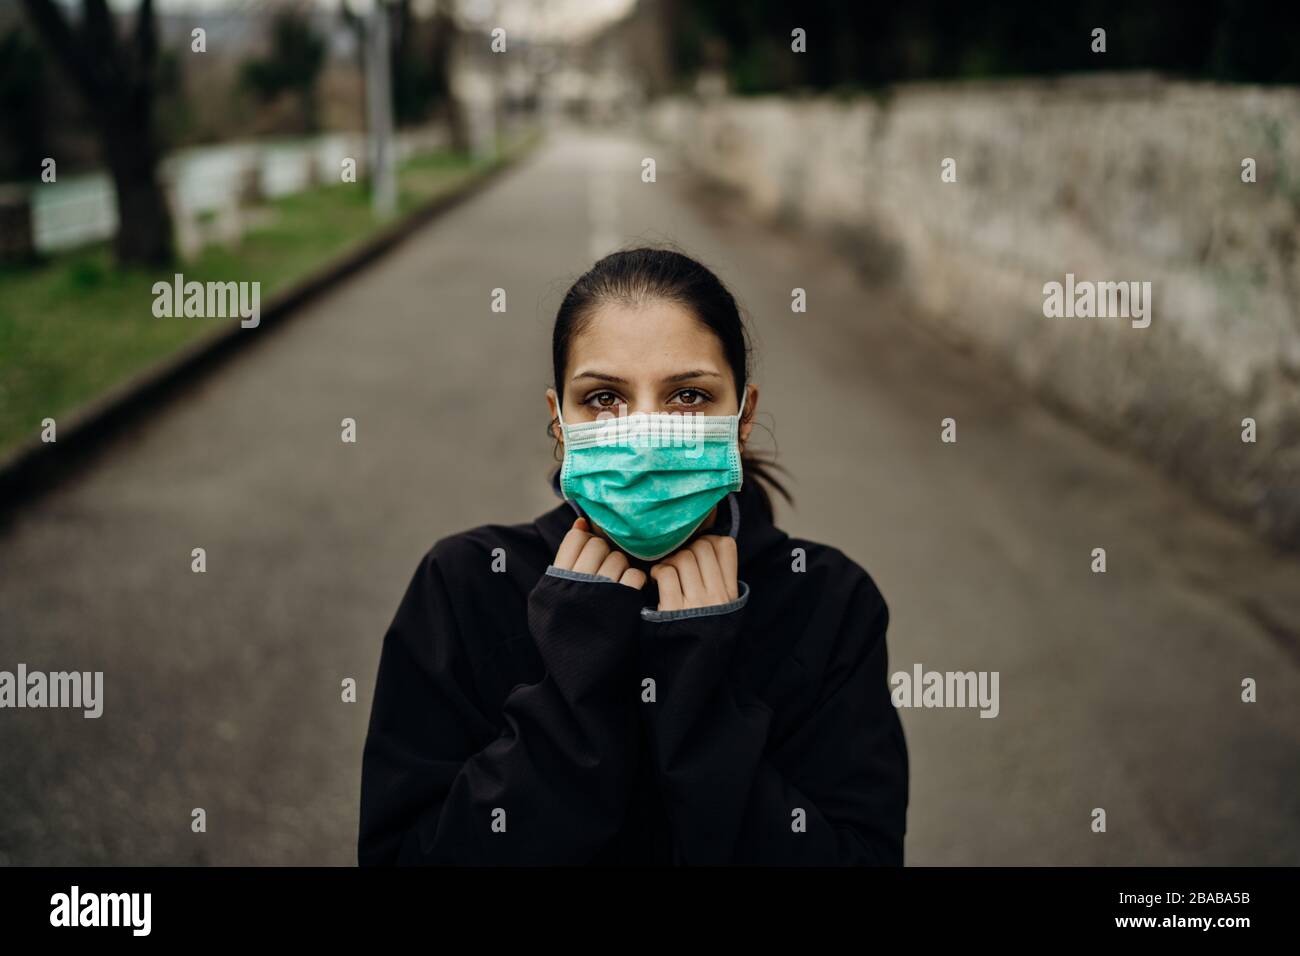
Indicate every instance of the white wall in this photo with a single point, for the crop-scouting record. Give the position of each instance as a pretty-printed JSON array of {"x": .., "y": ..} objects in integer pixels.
[{"x": 1109, "y": 178}]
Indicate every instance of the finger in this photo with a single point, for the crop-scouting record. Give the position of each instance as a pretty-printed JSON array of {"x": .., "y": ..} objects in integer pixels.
[
  {"x": 571, "y": 546},
  {"x": 670, "y": 588},
  {"x": 688, "y": 573},
  {"x": 710, "y": 570},
  {"x": 728, "y": 558},
  {"x": 613, "y": 566},
  {"x": 592, "y": 556},
  {"x": 633, "y": 578}
]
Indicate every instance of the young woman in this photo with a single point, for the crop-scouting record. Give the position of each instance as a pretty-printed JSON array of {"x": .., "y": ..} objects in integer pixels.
[{"x": 651, "y": 672}]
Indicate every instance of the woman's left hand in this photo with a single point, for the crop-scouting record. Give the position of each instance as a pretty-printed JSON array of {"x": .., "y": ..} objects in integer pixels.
[{"x": 701, "y": 574}]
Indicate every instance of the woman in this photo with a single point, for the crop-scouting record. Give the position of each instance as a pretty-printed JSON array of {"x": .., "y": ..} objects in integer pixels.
[{"x": 651, "y": 672}]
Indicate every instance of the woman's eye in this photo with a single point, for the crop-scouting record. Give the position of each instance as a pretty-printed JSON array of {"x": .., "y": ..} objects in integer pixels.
[
  {"x": 603, "y": 399},
  {"x": 691, "y": 396}
]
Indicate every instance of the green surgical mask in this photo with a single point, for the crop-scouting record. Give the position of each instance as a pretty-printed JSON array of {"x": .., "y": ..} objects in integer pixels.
[{"x": 649, "y": 481}]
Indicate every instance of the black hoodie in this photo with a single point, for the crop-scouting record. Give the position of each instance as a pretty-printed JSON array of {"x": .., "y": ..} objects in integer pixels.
[{"x": 524, "y": 716}]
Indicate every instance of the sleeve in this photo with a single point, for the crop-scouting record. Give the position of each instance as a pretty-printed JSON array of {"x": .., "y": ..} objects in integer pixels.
[
  {"x": 835, "y": 790},
  {"x": 443, "y": 783}
]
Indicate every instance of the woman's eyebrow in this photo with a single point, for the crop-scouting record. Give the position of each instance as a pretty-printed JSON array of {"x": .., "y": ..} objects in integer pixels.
[
  {"x": 693, "y": 373},
  {"x": 679, "y": 377},
  {"x": 600, "y": 377}
]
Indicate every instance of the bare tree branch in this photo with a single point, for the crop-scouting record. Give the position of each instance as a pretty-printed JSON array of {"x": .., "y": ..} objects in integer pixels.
[
  {"x": 54, "y": 28},
  {"x": 146, "y": 35},
  {"x": 99, "y": 23},
  {"x": 100, "y": 37}
]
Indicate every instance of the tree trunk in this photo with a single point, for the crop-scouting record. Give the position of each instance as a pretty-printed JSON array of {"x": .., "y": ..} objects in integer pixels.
[
  {"x": 144, "y": 230},
  {"x": 116, "y": 78},
  {"x": 446, "y": 39}
]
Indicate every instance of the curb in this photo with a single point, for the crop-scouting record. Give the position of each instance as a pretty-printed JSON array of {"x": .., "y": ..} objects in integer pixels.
[{"x": 35, "y": 466}]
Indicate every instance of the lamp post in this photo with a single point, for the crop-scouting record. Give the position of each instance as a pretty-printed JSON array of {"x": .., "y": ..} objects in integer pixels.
[{"x": 379, "y": 108}]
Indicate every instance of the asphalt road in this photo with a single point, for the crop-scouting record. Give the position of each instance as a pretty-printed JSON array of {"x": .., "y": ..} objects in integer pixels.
[{"x": 1118, "y": 691}]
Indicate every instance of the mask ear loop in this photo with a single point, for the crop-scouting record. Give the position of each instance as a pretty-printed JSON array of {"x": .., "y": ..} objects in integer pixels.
[
  {"x": 733, "y": 526},
  {"x": 577, "y": 509},
  {"x": 559, "y": 417},
  {"x": 739, "y": 417}
]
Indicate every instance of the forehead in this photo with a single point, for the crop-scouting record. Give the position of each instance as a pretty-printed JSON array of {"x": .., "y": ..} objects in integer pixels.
[{"x": 649, "y": 337}]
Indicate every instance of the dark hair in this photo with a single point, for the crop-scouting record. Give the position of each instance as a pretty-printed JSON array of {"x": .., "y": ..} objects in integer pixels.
[{"x": 645, "y": 274}]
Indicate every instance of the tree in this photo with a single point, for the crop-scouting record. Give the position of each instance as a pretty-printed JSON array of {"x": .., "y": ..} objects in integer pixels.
[
  {"x": 23, "y": 105},
  {"x": 293, "y": 65},
  {"x": 116, "y": 77},
  {"x": 421, "y": 64},
  {"x": 446, "y": 37}
]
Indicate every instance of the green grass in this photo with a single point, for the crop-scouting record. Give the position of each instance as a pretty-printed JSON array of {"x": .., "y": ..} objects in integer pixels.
[{"x": 76, "y": 325}]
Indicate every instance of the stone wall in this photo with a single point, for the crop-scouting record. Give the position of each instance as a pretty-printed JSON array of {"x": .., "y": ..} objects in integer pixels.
[{"x": 1109, "y": 178}]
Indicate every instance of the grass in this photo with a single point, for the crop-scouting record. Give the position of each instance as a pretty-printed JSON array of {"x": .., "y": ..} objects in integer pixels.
[{"x": 76, "y": 325}]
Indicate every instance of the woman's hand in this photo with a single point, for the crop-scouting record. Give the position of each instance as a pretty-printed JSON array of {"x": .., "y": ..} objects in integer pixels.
[
  {"x": 702, "y": 574},
  {"x": 589, "y": 553}
]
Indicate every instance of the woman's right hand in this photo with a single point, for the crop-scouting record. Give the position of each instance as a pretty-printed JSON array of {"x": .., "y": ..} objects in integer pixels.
[{"x": 588, "y": 553}]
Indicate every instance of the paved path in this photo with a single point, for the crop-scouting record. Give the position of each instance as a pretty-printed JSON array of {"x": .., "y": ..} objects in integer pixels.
[{"x": 1117, "y": 691}]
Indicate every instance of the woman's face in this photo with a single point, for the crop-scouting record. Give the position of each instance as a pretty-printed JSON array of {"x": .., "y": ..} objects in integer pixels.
[{"x": 651, "y": 357}]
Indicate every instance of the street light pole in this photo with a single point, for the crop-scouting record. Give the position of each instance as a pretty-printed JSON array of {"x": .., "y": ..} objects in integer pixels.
[{"x": 379, "y": 103}]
